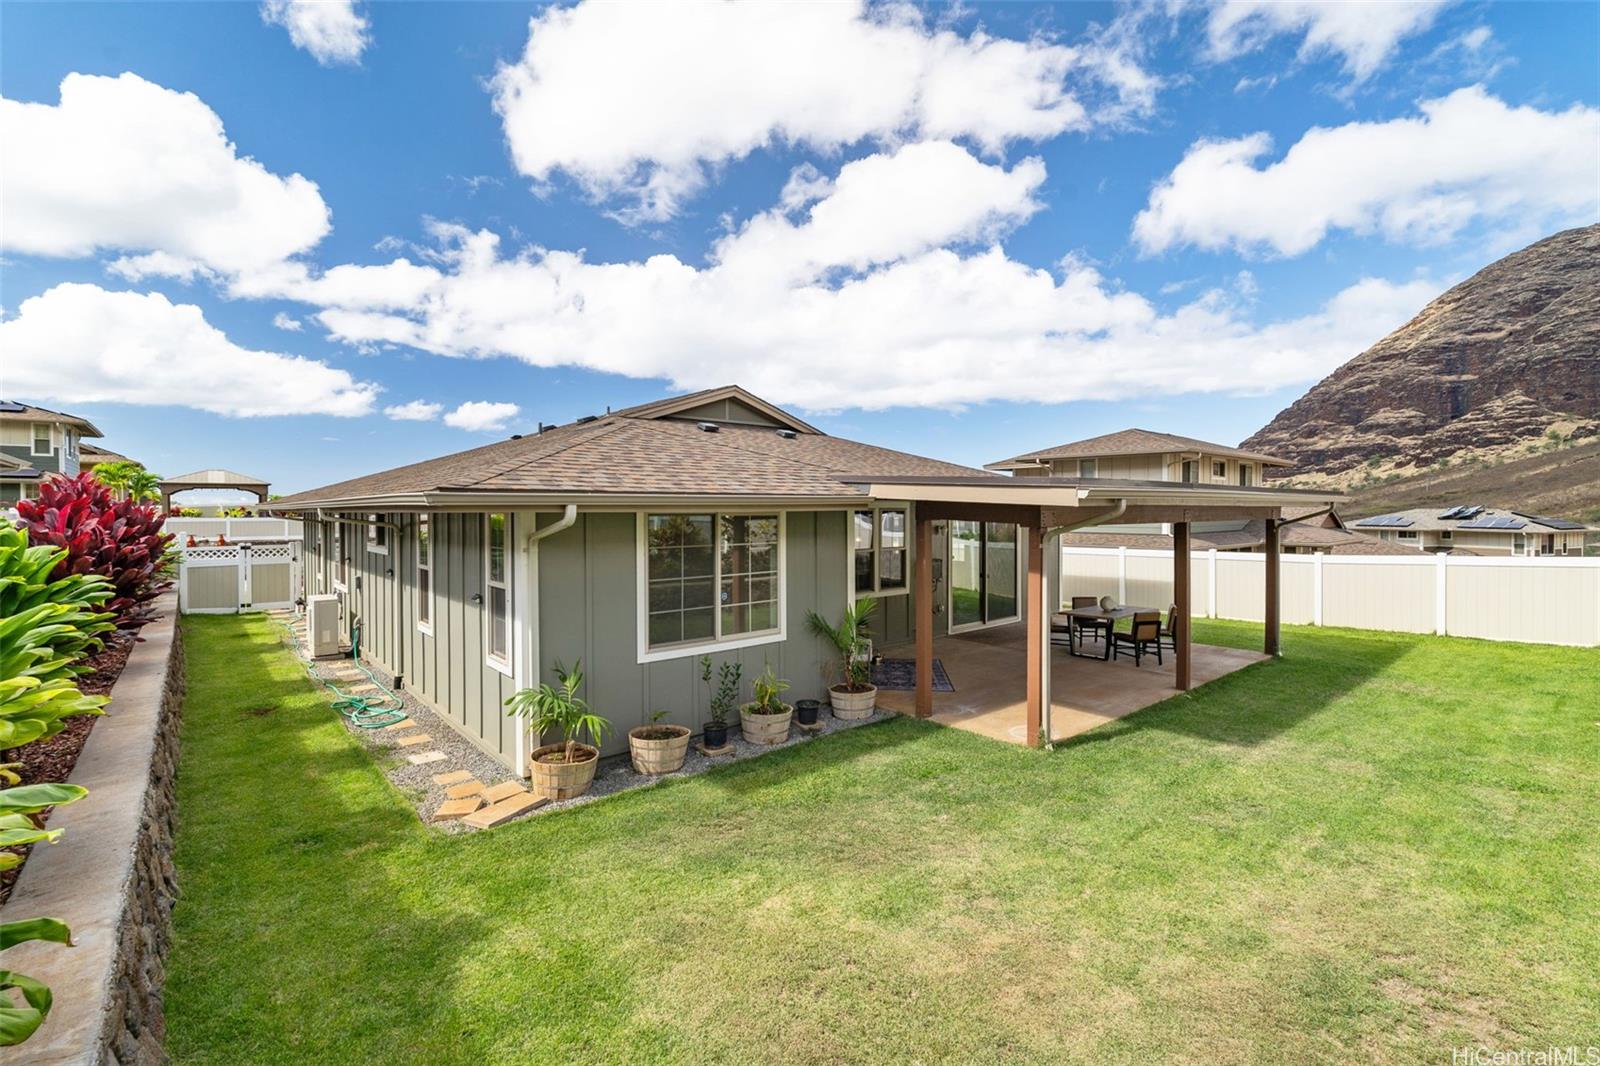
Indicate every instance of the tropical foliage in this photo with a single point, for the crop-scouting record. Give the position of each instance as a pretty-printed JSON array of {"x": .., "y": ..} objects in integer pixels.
[
  {"x": 128, "y": 480},
  {"x": 121, "y": 540},
  {"x": 769, "y": 689},
  {"x": 558, "y": 708},
  {"x": 725, "y": 696},
  {"x": 849, "y": 640}
]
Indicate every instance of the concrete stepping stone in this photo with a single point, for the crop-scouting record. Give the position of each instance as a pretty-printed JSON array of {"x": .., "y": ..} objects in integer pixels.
[
  {"x": 423, "y": 758},
  {"x": 454, "y": 777},
  {"x": 368, "y": 687},
  {"x": 457, "y": 808},
  {"x": 404, "y": 723},
  {"x": 464, "y": 789},
  {"x": 420, "y": 738},
  {"x": 504, "y": 790},
  {"x": 503, "y": 811}
]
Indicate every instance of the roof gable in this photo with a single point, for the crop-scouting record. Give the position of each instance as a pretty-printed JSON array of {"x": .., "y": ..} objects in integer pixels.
[
  {"x": 732, "y": 403},
  {"x": 1134, "y": 442}
]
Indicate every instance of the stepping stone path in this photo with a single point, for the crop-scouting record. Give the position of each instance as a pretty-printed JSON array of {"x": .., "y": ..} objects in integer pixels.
[
  {"x": 423, "y": 758},
  {"x": 454, "y": 777},
  {"x": 457, "y": 808},
  {"x": 420, "y": 738},
  {"x": 405, "y": 723},
  {"x": 504, "y": 790},
  {"x": 503, "y": 811},
  {"x": 464, "y": 789}
]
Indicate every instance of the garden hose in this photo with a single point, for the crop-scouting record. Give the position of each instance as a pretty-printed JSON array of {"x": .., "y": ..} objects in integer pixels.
[{"x": 364, "y": 712}]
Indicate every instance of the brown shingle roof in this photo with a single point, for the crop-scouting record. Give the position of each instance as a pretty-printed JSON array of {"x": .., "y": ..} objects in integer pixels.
[
  {"x": 13, "y": 410},
  {"x": 642, "y": 451},
  {"x": 1135, "y": 442}
]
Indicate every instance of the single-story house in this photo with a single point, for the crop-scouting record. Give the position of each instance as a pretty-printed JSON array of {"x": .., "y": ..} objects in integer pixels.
[
  {"x": 1469, "y": 529},
  {"x": 708, "y": 524}
]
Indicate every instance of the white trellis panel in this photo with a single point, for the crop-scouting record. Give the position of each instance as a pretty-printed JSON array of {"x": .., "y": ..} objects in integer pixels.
[{"x": 226, "y": 579}]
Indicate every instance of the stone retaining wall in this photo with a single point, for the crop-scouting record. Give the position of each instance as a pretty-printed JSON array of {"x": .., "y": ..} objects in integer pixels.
[{"x": 111, "y": 877}]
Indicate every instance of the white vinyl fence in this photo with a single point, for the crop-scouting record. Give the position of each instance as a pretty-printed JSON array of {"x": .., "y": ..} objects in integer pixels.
[
  {"x": 1539, "y": 600},
  {"x": 227, "y": 579},
  {"x": 233, "y": 529}
]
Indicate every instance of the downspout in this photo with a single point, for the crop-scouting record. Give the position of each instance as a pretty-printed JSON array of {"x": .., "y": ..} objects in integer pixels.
[
  {"x": 1053, "y": 536},
  {"x": 529, "y": 659}
]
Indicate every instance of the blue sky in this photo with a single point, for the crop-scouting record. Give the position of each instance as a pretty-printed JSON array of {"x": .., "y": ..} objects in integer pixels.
[{"x": 1066, "y": 227}]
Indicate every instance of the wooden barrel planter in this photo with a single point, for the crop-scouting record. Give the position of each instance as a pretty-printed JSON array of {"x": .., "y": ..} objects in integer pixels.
[
  {"x": 853, "y": 706},
  {"x": 562, "y": 780},
  {"x": 765, "y": 728},
  {"x": 658, "y": 749}
]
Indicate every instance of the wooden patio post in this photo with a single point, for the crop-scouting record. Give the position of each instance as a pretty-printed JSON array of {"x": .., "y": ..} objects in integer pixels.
[
  {"x": 923, "y": 604},
  {"x": 1274, "y": 538},
  {"x": 1181, "y": 595},
  {"x": 1037, "y": 614}
]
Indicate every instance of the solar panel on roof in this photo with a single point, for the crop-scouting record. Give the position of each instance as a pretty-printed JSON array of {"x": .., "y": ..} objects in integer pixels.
[
  {"x": 12, "y": 408},
  {"x": 1495, "y": 522},
  {"x": 1552, "y": 523},
  {"x": 1470, "y": 511},
  {"x": 1454, "y": 512},
  {"x": 1385, "y": 520}
]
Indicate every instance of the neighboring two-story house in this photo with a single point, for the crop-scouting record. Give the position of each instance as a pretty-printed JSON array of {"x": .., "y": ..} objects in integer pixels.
[
  {"x": 1473, "y": 530},
  {"x": 36, "y": 442}
]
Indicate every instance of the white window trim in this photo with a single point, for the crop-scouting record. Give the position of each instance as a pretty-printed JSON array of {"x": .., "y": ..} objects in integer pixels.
[
  {"x": 506, "y": 666},
  {"x": 642, "y": 584},
  {"x": 950, "y": 588},
  {"x": 33, "y": 438},
  {"x": 335, "y": 553},
  {"x": 877, "y": 509},
  {"x": 425, "y": 627},
  {"x": 374, "y": 527}
]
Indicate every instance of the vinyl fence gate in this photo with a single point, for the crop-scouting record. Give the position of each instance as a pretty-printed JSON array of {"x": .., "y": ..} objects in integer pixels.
[{"x": 229, "y": 578}]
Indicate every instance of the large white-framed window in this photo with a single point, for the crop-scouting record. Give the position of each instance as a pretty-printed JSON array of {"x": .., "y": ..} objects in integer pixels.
[
  {"x": 377, "y": 534},
  {"x": 43, "y": 439},
  {"x": 880, "y": 555},
  {"x": 709, "y": 581},
  {"x": 336, "y": 551},
  {"x": 424, "y": 575},
  {"x": 1088, "y": 468},
  {"x": 497, "y": 591}
]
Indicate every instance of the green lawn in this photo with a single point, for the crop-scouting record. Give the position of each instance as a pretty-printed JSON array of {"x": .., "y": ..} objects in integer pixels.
[{"x": 1381, "y": 847}]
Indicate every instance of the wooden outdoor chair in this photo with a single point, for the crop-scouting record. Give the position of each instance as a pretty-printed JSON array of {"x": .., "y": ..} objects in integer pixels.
[
  {"x": 1144, "y": 635},
  {"x": 1076, "y": 627},
  {"x": 1169, "y": 631}
]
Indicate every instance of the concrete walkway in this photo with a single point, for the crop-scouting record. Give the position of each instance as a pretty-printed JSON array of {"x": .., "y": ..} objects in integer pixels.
[{"x": 987, "y": 669}]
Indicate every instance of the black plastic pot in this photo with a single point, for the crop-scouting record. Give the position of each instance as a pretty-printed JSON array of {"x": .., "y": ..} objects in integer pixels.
[
  {"x": 716, "y": 735},
  {"x": 806, "y": 711}
]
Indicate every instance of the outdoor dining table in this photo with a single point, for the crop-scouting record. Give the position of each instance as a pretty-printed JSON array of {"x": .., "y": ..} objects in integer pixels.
[{"x": 1097, "y": 614}]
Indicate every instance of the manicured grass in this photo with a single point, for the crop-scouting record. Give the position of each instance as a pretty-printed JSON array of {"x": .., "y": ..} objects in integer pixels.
[{"x": 1380, "y": 847}]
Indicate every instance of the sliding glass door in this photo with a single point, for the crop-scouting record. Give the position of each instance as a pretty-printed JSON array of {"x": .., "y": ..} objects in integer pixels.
[{"x": 983, "y": 574}]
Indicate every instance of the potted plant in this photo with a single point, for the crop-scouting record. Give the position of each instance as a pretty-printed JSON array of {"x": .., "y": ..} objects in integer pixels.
[
  {"x": 765, "y": 720},
  {"x": 658, "y": 748},
  {"x": 855, "y": 695},
  {"x": 566, "y": 769},
  {"x": 723, "y": 700}
]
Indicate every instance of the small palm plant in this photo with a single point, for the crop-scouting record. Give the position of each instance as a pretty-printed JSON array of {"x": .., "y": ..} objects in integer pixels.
[
  {"x": 558, "y": 708},
  {"x": 849, "y": 641}
]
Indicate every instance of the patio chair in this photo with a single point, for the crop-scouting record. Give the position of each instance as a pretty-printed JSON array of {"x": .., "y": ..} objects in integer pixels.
[
  {"x": 1169, "y": 630},
  {"x": 1144, "y": 635},
  {"x": 1076, "y": 627}
]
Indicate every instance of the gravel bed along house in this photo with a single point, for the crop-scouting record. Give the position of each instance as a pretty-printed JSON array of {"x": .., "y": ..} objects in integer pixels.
[{"x": 416, "y": 781}]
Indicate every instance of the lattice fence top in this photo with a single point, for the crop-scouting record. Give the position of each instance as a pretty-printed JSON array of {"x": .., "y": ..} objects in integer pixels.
[
  {"x": 271, "y": 551},
  {"x": 215, "y": 555}
]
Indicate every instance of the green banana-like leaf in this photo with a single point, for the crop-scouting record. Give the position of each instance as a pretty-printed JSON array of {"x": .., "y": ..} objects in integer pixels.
[
  {"x": 31, "y": 799},
  {"x": 19, "y": 1023},
  {"x": 53, "y": 930},
  {"x": 12, "y": 838}
]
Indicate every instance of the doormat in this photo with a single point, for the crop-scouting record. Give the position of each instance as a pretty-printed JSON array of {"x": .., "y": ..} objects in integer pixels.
[{"x": 900, "y": 675}]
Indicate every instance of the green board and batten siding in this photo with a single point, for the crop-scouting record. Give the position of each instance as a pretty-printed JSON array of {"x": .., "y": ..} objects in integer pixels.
[{"x": 588, "y": 609}]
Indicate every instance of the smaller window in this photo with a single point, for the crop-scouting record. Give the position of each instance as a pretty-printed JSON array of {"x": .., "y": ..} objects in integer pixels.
[
  {"x": 891, "y": 549},
  {"x": 1408, "y": 534},
  {"x": 497, "y": 606},
  {"x": 1446, "y": 534},
  {"x": 1246, "y": 475},
  {"x": 42, "y": 439},
  {"x": 1219, "y": 470},
  {"x": 29, "y": 490},
  {"x": 1088, "y": 468},
  {"x": 336, "y": 539},
  {"x": 424, "y": 576},
  {"x": 1190, "y": 471},
  {"x": 862, "y": 530},
  {"x": 377, "y": 534}
]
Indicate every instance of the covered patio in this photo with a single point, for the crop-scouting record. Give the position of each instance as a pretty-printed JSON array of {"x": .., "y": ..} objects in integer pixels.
[{"x": 1090, "y": 691}]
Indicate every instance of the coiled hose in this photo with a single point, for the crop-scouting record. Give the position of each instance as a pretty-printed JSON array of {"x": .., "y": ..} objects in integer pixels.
[{"x": 364, "y": 712}]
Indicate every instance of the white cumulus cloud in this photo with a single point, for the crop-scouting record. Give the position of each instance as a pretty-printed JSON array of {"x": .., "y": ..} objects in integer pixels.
[
  {"x": 1363, "y": 33},
  {"x": 837, "y": 298},
  {"x": 333, "y": 31},
  {"x": 637, "y": 100},
  {"x": 482, "y": 416},
  {"x": 287, "y": 322},
  {"x": 122, "y": 164},
  {"x": 415, "y": 411},
  {"x": 1466, "y": 158},
  {"x": 78, "y": 343}
]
